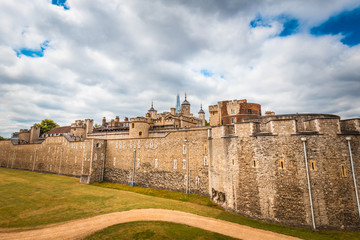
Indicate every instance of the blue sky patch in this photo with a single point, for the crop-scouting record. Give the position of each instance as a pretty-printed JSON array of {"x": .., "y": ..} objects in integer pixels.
[
  {"x": 259, "y": 21},
  {"x": 206, "y": 73},
  {"x": 61, "y": 3},
  {"x": 346, "y": 23},
  {"x": 290, "y": 25},
  {"x": 32, "y": 52}
]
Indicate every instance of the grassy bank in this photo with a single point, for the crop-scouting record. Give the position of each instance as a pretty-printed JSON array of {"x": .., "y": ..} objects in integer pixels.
[
  {"x": 30, "y": 199},
  {"x": 155, "y": 231},
  {"x": 192, "y": 198}
]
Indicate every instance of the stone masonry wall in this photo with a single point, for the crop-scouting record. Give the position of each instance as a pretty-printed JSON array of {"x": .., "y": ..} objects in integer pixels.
[
  {"x": 54, "y": 155},
  {"x": 160, "y": 162},
  {"x": 257, "y": 174},
  {"x": 264, "y": 177}
]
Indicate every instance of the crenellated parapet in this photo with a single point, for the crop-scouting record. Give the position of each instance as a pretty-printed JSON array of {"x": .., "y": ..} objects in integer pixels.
[
  {"x": 297, "y": 124},
  {"x": 350, "y": 125}
]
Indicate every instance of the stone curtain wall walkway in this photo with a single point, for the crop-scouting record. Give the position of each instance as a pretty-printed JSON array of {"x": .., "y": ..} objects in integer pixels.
[{"x": 81, "y": 228}]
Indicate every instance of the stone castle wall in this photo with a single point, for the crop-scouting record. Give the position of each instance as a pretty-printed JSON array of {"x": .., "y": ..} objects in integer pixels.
[
  {"x": 254, "y": 168},
  {"x": 159, "y": 161},
  {"x": 263, "y": 176},
  {"x": 54, "y": 155}
]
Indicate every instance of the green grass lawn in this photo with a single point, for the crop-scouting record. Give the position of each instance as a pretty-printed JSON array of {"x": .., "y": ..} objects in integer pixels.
[
  {"x": 29, "y": 199},
  {"x": 155, "y": 231}
]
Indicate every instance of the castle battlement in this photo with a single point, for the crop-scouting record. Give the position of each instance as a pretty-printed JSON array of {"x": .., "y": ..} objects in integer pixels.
[{"x": 350, "y": 125}]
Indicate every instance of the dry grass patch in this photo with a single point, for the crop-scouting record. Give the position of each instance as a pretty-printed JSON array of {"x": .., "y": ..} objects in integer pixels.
[{"x": 31, "y": 199}]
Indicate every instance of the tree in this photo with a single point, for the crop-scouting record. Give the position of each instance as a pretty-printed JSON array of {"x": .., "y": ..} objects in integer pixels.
[
  {"x": 1, "y": 138},
  {"x": 97, "y": 125},
  {"x": 207, "y": 123},
  {"x": 46, "y": 125}
]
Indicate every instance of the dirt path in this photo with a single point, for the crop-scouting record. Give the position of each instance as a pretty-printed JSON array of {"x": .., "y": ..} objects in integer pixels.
[{"x": 81, "y": 228}]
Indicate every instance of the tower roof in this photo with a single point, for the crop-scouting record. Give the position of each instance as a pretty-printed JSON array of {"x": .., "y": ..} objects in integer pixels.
[
  {"x": 185, "y": 102},
  {"x": 152, "y": 106},
  {"x": 201, "y": 110}
]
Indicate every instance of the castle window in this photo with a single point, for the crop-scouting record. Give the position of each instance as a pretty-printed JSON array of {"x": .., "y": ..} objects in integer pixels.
[
  {"x": 184, "y": 149},
  {"x": 175, "y": 164},
  {"x": 254, "y": 163},
  {"x": 98, "y": 145},
  {"x": 233, "y": 161},
  {"x": 138, "y": 162},
  {"x": 114, "y": 161},
  {"x": 184, "y": 164},
  {"x": 205, "y": 149},
  {"x": 249, "y": 111},
  {"x": 312, "y": 166},
  {"x": 232, "y": 111},
  {"x": 156, "y": 163},
  {"x": 197, "y": 181},
  {"x": 205, "y": 161},
  {"x": 232, "y": 120},
  {"x": 140, "y": 133},
  {"x": 132, "y": 125},
  {"x": 155, "y": 144},
  {"x": 343, "y": 171},
  {"x": 282, "y": 165}
]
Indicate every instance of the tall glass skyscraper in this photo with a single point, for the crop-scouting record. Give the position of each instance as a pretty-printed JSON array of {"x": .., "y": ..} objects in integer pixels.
[{"x": 178, "y": 103}]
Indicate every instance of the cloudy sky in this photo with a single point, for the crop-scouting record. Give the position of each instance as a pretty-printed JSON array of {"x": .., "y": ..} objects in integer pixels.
[{"x": 78, "y": 59}]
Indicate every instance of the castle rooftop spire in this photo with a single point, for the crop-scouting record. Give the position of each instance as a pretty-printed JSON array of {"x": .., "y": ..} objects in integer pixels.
[
  {"x": 201, "y": 110},
  {"x": 185, "y": 102},
  {"x": 152, "y": 106}
]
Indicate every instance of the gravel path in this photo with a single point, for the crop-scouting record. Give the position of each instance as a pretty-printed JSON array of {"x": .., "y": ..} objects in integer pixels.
[{"x": 78, "y": 229}]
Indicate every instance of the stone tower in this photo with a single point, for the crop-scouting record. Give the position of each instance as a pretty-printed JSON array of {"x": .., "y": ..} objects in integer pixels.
[
  {"x": 34, "y": 134},
  {"x": 152, "y": 110},
  {"x": 139, "y": 127},
  {"x": 185, "y": 107},
  {"x": 202, "y": 116},
  {"x": 89, "y": 126}
]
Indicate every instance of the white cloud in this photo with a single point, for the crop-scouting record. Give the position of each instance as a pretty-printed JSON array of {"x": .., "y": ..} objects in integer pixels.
[{"x": 108, "y": 58}]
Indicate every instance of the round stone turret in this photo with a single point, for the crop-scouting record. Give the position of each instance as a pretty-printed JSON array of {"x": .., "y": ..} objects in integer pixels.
[{"x": 139, "y": 127}]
